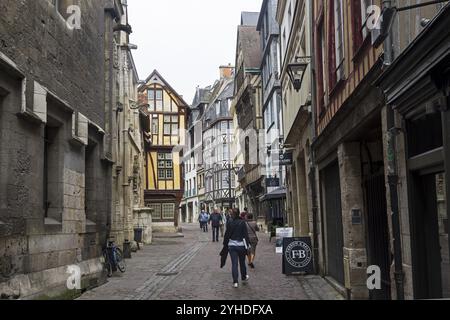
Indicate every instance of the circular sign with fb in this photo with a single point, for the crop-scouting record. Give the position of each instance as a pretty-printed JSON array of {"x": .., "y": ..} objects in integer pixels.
[{"x": 298, "y": 254}]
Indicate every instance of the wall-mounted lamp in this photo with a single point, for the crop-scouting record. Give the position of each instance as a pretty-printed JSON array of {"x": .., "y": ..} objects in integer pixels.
[{"x": 297, "y": 71}]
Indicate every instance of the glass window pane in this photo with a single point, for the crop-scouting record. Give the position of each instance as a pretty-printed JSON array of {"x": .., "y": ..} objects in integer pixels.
[
  {"x": 151, "y": 94},
  {"x": 159, "y": 95},
  {"x": 168, "y": 211},
  {"x": 167, "y": 129},
  {"x": 156, "y": 214},
  {"x": 169, "y": 174}
]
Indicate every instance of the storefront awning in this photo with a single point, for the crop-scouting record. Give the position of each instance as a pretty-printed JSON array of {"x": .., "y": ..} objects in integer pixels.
[{"x": 279, "y": 193}]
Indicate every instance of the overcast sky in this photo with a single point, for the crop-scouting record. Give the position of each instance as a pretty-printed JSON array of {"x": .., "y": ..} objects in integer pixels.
[{"x": 186, "y": 40}]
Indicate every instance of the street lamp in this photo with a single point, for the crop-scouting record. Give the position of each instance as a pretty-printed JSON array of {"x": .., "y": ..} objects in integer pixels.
[{"x": 297, "y": 71}]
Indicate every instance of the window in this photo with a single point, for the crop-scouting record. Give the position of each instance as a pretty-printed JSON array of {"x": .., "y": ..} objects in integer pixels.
[
  {"x": 155, "y": 124},
  {"x": 339, "y": 39},
  {"x": 90, "y": 185},
  {"x": 53, "y": 165},
  {"x": 165, "y": 166},
  {"x": 156, "y": 213},
  {"x": 365, "y": 4},
  {"x": 247, "y": 150},
  {"x": 151, "y": 94},
  {"x": 159, "y": 100},
  {"x": 320, "y": 47},
  {"x": 171, "y": 125},
  {"x": 168, "y": 211}
]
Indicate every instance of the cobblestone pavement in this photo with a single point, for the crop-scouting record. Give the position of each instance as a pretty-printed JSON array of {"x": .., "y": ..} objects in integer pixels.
[{"x": 189, "y": 269}]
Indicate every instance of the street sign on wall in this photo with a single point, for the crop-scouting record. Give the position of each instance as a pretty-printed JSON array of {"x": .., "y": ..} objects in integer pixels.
[{"x": 297, "y": 256}]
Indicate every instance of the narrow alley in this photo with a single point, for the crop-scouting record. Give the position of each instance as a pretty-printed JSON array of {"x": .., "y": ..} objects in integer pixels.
[{"x": 188, "y": 269}]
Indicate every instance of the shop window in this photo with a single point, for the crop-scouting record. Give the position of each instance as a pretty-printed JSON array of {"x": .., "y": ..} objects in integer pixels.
[
  {"x": 425, "y": 134},
  {"x": 156, "y": 210},
  {"x": 168, "y": 211}
]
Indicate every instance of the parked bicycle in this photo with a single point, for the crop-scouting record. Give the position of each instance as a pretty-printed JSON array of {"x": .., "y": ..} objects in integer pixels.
[{"x": 113, "y": 259}]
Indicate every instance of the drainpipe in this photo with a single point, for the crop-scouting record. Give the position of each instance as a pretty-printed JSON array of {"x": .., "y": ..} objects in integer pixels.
[
  {"x": 393, "y": 132},
  {"x": 312, "y": 174}
]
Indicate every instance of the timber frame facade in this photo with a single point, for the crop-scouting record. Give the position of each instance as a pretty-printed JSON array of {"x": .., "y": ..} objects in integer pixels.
[{"x": 166, "y": 114}]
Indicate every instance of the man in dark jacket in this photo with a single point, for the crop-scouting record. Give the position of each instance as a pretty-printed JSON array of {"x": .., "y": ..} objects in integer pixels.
[
  {"x": 215, "y": 219},
  {"x": 237, "y": 240}
]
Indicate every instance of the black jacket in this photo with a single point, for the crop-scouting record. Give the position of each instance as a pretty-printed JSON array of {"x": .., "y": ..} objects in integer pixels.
[{"x": 236, "y": 230}]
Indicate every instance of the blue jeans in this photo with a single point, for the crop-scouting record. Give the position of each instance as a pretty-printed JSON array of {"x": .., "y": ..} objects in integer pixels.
[
  {"x": 215, "y": 232},
  {"x": 238, "y": 255}
]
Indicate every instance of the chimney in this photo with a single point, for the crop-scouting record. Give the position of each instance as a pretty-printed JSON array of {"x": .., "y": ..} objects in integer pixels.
[{"x": 226, "y": 71}]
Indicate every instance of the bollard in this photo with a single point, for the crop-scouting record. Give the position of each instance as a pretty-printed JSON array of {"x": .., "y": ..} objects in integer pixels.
[{"x": 127, "y": 249}]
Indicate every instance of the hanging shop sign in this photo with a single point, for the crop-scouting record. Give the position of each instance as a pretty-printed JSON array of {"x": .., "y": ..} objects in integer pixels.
[{"x": 286, "y": 158}]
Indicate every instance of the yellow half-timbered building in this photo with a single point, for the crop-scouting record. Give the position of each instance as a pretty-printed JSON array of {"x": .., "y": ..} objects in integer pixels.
[{"x": 166, "y": 116}]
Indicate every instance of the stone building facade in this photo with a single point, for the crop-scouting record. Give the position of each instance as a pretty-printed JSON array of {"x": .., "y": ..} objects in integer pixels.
[
  {"x": 273, "y": 203},
  {"x": 247, "y": 109},
  {"x": 57, "y": 96},
  {"x": 415, "y": 120},
  {"x": 129, "y": 211}
]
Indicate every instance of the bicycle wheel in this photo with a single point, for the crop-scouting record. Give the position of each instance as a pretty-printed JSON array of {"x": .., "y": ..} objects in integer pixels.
[
  {"x": 120, "y": 261},
  {"x": 108, "y": 266}
]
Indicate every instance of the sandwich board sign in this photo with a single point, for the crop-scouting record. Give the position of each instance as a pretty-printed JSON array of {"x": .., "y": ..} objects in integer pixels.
[{"x": 297, "y": 256}]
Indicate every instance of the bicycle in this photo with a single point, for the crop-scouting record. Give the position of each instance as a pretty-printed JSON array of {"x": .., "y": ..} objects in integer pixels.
[{"x": 113, "y": 259}]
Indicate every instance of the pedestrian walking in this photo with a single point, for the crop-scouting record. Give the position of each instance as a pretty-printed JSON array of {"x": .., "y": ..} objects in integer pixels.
[
  {"x": 215, "y": 219},
  {"x": 252, "y": 228},
  {"x": 199, "y": 219},
  {"x": 237, "y": 240},
  {"x": 222, "y": 223},
  {"x": 204, "y": 218}
]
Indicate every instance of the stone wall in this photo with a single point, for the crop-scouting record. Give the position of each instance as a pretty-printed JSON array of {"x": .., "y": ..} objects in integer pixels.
[{"x": 52, "y": 77}]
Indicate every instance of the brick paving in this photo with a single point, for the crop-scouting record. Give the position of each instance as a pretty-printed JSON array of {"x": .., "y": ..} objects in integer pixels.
[{"x": 189, "y": 269}]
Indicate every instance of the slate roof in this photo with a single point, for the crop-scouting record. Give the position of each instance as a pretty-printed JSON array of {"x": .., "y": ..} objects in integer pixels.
[{"x": 249, "y": 41}]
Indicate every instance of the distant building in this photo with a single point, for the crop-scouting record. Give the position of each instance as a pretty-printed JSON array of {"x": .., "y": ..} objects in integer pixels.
[
  {"x": 192, "y": 161},
  {"x": 217, "y": 144},
  {"x": 166, "y": 111},
  {"x": 247, "y": 112}
]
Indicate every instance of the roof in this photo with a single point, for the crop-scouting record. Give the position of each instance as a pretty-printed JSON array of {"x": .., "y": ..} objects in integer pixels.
[
  {"x": 249, "y": 18},
  {"x": 156, "y": 77},
  {"x": 249, "y": 41},
  {"x": 203, "y": 95}
]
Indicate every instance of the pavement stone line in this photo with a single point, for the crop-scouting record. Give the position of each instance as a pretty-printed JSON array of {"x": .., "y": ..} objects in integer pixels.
[
  {"x": 189, "y": 269},
  {"x": 157, "y": 283}
]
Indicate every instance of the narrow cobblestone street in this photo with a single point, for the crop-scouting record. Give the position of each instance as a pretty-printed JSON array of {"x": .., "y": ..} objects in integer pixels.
[{"x": 188, "y": 269}]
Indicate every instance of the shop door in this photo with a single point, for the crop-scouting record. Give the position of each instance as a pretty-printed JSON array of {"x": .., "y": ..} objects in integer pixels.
[
  {"x": 432, "y": 268},
  {"x": 334, "y": 229}
]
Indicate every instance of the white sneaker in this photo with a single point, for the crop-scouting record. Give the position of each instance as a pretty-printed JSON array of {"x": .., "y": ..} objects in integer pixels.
[
  {"x": 236, "y": 285},
  {"x": 246, "y": 278}
]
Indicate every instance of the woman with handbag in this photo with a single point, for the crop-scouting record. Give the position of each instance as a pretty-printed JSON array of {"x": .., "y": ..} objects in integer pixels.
[
  {"x": 237, "y": 241},
  {"x": 252, "y": 229}
]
